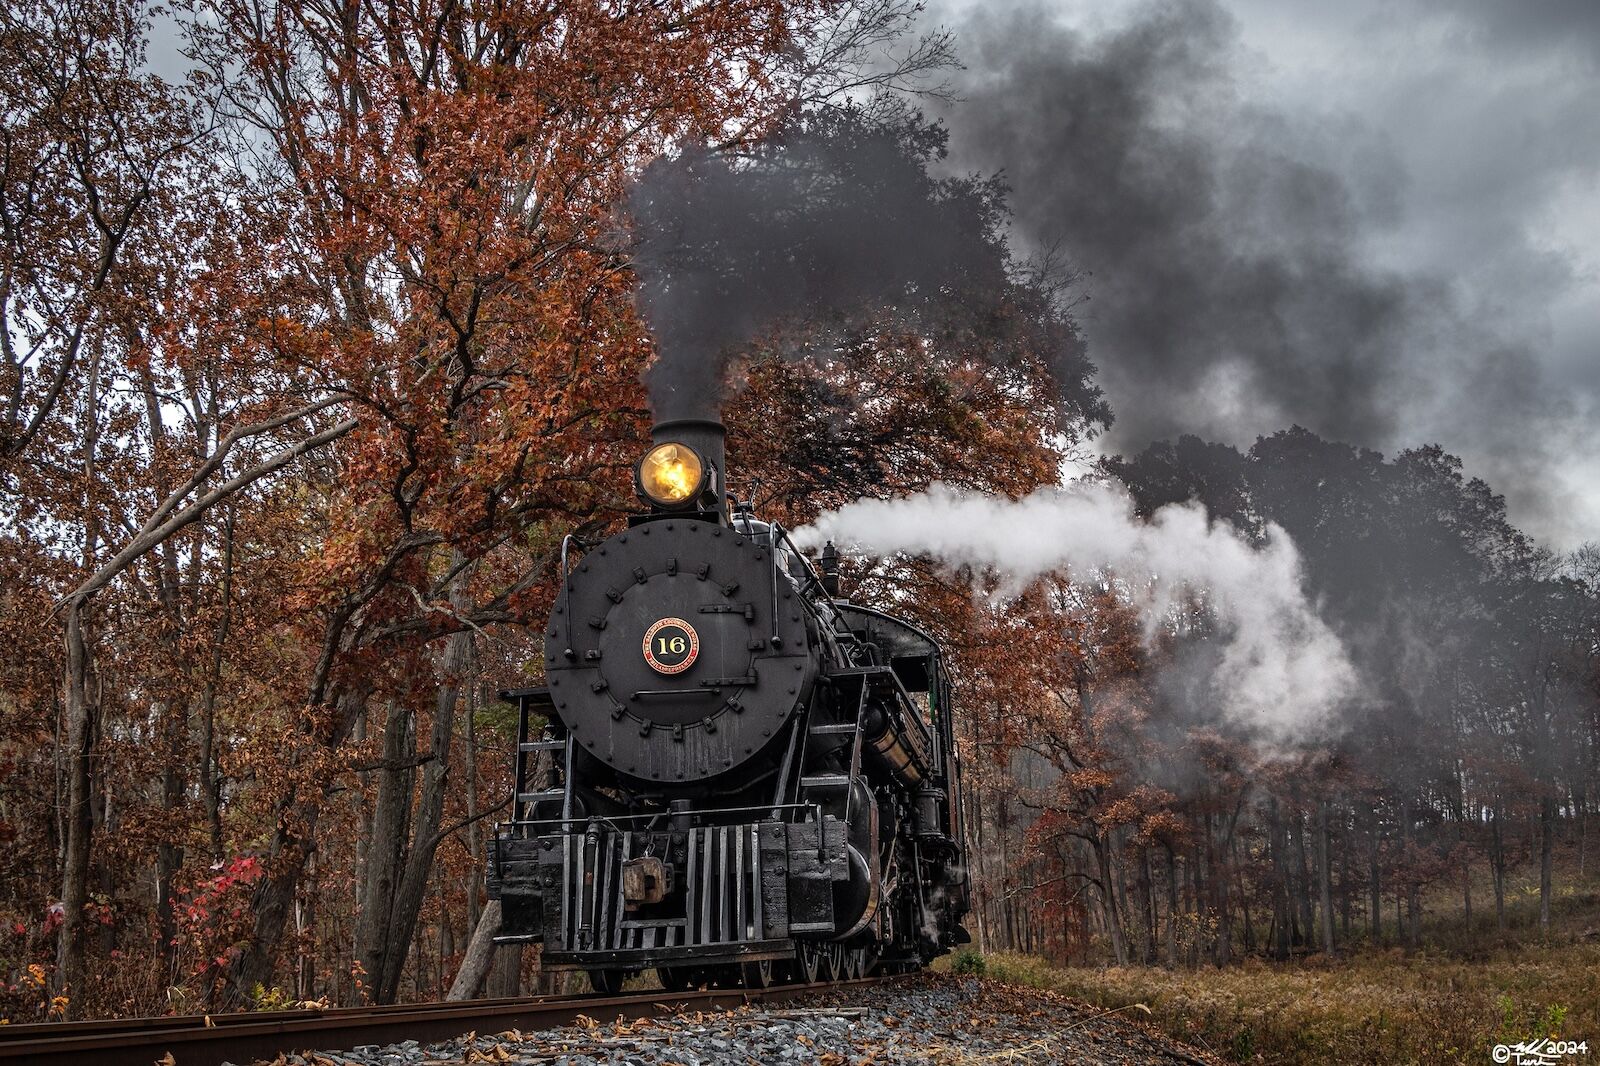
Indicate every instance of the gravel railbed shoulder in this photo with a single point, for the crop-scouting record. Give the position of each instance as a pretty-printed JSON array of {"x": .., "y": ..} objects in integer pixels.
[{"x": 935, "y": 1019}]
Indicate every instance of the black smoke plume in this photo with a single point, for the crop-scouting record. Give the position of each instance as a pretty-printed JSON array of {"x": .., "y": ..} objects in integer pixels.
[
  {"x": 834, "y": 219},
  {"x": 1224, "y": 269}
]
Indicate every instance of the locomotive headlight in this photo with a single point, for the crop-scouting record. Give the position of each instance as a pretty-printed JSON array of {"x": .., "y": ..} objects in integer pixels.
[{"x": 671, "y": 475}]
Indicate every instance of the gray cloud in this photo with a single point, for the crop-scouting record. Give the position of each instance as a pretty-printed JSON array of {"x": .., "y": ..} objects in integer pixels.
[
  {"x": 1381, "y": 240},
  {"x": 1220, "y": 258}
]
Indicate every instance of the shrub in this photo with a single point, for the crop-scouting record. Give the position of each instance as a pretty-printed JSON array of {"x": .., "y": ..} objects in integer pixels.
[{"x": 968, "y": 961}]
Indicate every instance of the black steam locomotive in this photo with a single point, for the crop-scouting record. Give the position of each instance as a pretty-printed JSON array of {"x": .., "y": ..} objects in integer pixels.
[{"x": 733, "y": 775}]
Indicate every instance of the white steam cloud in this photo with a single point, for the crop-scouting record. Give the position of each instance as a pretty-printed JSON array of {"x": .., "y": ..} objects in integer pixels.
[{"x": 1281, "y": 672}]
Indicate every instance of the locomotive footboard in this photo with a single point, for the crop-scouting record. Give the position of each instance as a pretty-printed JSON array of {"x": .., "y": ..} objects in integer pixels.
[{"x": 602, "y": 895}]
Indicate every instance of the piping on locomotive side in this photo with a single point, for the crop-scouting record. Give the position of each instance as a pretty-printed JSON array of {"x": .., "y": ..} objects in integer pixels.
[{"x": 733, "y": 775}]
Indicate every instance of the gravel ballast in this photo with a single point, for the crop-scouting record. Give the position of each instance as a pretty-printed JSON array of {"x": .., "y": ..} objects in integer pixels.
[{"x": 931, "y": 1018}]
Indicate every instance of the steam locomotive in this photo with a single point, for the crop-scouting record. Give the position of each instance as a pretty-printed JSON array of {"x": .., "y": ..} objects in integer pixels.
[{"x": 733, "y": 775}]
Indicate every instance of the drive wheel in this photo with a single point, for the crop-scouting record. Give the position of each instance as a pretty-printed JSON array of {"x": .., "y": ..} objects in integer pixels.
[
  {"x": 756, "y": 974},
  {"x": 675, "y": 978},
  {"x": 724, "y": 975},
  {"x": 784, "y": 971},
  {"x": 607, "y": 982},
  {"x": 831, "y": 962},
  {"x": 810, "y": 966}
]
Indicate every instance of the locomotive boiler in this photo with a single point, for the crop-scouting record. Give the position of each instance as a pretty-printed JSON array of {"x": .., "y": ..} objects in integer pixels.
[{"x": 732, "y": 774}]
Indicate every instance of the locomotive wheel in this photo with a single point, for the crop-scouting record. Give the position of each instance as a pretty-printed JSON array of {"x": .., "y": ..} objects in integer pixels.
[
  {"x": 724, "y": 976},
  {"x": 607, "y": 982},
  {"x": 675, "y": 978},
  {"x": 810, "y": 963},
  {"x": 831, "y": 962},
  {"x": 785, "y": 972},
  {"x": 756, "y": 974}
]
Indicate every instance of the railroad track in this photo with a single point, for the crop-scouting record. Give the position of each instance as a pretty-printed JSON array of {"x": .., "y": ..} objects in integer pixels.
[{"x": 208, "y": 1040}]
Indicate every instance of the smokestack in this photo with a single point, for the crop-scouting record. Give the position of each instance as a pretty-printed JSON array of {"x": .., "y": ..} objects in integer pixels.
[
  {"x": 707, "y": 436},
  {"x": 830, "y": 569}
]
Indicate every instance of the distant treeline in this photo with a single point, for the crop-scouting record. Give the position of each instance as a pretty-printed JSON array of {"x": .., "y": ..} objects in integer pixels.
[{"x": 1119, "y": 806}]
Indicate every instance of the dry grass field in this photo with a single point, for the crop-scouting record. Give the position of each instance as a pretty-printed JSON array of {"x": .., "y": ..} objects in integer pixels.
[{"x": 1465, "y": 992}]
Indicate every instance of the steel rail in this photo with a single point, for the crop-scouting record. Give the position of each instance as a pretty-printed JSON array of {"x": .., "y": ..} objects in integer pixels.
[{"x": 209, "y": 1040}]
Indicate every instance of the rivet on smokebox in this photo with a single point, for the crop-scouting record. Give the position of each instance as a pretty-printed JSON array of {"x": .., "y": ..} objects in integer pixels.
[{"x": 677, "y": 731}]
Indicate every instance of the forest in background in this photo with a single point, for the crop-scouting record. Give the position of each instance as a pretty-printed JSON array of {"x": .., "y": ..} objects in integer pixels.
[{"x": 311, "y": 360}]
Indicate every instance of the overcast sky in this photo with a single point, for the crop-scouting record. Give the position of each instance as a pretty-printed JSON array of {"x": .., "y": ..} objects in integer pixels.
[{"x": 1379, "y": 220}]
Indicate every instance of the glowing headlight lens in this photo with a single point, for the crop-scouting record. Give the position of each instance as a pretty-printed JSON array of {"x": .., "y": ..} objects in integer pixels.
[{"x": 671, "y": 474}]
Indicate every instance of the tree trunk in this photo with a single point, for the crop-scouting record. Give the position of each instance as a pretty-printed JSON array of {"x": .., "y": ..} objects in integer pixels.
[
  {"x": 1218, "y": 861},
  {"x": 430, "y": 815},
  {"x": 1409, "y": 922},
  {"x": 391, "y": 818},
  {"x": 82, "y": 723},
  {"x": 474, "y": 846},
  {"x": 1196, "y": 873},
  {"x": 210, "y": 774},
  {"x": 1172, "y": 907},
  {"x": 1147, "y": 899},
  {"x": 1324, "y": 879},
  {"x": 480, "y": 955},
  {"x": 83, "y": 726},
  {"x": 1238, "y": 866},
  {"x": 1347, "y": 834},
  {"x": 1278, "y": 837},
  {"x": 1375, "y": 885},
  {"x": 1497, "y": 867},
  {"x": 1002, "y": 825},
  {"x": 1547, "y": 831},
  {"x": 1580, "y": 808},
  {"x": 169, "y": 859},
  {"x": 1303, "y": 877},
  {"x": 1108, "y": 899}
]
